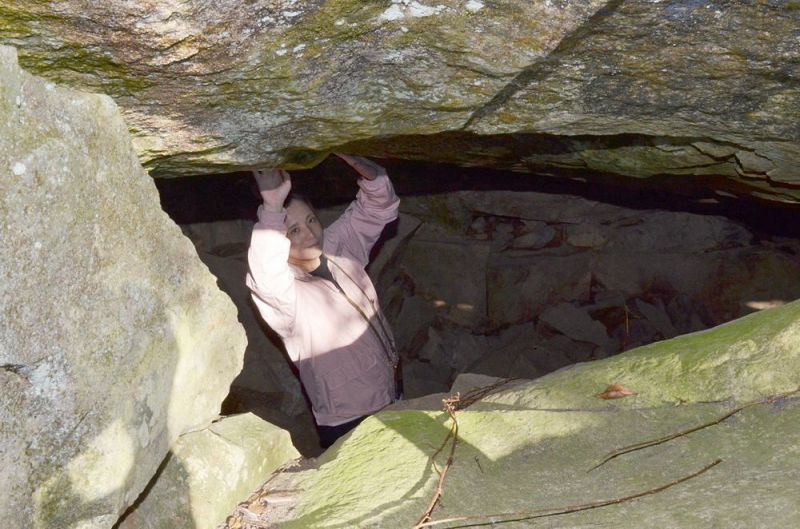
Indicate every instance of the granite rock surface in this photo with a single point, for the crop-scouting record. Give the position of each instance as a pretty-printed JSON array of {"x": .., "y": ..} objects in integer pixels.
[
  {"x": 732, "y": 392},
  {"x": 114, "y": 339},
  {"x": 680, "y": 93}
]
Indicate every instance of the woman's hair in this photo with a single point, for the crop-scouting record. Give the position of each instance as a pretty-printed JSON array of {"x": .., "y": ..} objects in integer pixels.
[{"x": 300, "y": 198}]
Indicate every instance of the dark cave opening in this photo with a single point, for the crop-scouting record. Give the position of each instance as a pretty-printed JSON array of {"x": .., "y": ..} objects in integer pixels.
[
  {"x": 229, "y": 196},
  {"x": 521, "y": 276}
]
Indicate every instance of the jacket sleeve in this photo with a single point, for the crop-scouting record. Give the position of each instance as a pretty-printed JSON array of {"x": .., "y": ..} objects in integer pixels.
[
  {"x": 269, "y": 276},
  {"x": 359, "y": 227}
]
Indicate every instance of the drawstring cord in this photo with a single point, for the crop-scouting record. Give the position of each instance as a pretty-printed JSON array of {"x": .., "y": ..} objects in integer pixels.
[{"x": 391, "y": 352}]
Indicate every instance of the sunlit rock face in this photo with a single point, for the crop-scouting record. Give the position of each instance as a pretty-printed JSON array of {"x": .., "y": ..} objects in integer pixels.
[
  {"x": 675, "y": 90},
  {"x": 114, "y": 339},
  {"x": 530, "y": 447},
  {"x": 222, "y": 246},
  {"x": 209, "y": 472}
]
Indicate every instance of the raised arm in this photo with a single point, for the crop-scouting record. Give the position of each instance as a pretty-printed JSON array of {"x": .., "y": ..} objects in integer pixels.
[
  {"x": 269, "y": 277},
  {"x": 376, "y": 205}
]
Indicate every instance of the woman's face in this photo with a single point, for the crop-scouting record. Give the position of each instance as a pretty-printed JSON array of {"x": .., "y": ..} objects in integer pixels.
[{"x": 303, "y": 231}]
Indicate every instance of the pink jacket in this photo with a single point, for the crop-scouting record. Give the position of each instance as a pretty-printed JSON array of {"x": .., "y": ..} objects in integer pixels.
[{"x": 346, "y": 363}]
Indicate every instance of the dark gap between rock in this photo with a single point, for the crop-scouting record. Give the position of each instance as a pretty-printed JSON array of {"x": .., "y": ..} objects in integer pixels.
[{"x": 479, "y": 283}]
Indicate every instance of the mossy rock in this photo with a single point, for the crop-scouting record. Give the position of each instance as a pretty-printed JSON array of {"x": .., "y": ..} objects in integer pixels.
[
  {"x": 571, "y": 88},
  {"x": 115, "y": 338},
  {"x": 534, "y": 444}
]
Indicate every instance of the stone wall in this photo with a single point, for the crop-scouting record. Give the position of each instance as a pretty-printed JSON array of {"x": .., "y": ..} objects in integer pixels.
[{"x": 522, "y": 283}]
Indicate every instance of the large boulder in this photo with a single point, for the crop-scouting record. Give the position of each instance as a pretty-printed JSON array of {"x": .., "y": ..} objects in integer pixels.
[
  {"x": 528, "y": 445},
  {"x": 699, "y": 94},
  {"x": 114, "y": 339}
]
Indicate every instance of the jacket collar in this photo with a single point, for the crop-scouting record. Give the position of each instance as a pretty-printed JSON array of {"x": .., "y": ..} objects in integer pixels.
[{"x": 302, "y": 275}]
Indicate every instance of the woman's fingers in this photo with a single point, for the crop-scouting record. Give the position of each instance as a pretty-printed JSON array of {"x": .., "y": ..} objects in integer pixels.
[
  {"x": 268, "y": 179},
  {"x": 274, "y": 186},
  {"x": 364, "y": 166}
]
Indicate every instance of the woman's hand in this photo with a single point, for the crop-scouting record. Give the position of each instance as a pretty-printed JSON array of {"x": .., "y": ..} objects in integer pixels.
[
  {"x": 274, "y": 186},
  {"x": 365, "y": 167}
]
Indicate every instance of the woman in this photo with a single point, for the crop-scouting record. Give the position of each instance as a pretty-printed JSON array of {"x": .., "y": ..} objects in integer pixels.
[{"x": 310, "y": 286}]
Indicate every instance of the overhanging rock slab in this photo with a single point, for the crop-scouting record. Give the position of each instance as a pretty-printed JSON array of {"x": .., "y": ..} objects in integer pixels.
[{"x": 699, "y": 94}]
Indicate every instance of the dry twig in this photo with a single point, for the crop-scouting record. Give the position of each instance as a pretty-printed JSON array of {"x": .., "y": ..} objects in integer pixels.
[
  {"x": 508, "y": 517},
  {"x": 451, "y": 405},
  {"x": 661, "y": 440}
]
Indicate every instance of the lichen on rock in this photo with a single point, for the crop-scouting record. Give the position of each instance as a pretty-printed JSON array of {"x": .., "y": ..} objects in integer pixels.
[
  {"x": 208, "y": 472},
  {"x": 536, "y": 444},
  {"x": 114, "y": 338},
  {"x": 564, "y": 86}
]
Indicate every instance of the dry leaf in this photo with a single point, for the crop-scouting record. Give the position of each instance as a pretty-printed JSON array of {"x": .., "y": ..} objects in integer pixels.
[{"x": 615, "y": 391}]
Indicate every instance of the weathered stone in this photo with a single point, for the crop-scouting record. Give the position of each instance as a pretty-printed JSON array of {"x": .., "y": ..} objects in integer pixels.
[
  {"x": 478, "y": 228},
  {"x": 392, "y": 244},
  {"x": 221, "y": 238},
  {"x": 235, "y": 79},
  {"x": 575, "y": 323},
  {"x": 502, "y": 235},
  {"x": 455, "y": 281},
  {"x": 640, "y": 332},
  {"x": 519, "y": 288},
  {"x": 539, "y": 235},
  {"x": 605, "y": 299},
  {"x": 559, "y": 351},
  {"x": 633, "y": 272},
  {"x": 537, "y": 207},
  {"x": 616, "y": 77},
  {"x": 415, "y": 318},
  {"x": 651, "y": 275},
  {"x": 444, "y": 216},
  {"x": 511, "y": 353},
  {"x": 422, "y": 378},
  {"x": 679, "y": 232},
  {"x": 754, "y": 276},
  {"x": 432, "y": 349},
  {"x": 114, "y": 339},
  {"x": 656, "y": 315},
  {"x": 469, "y": 381},
  {"x": 265, "y": 367},
  {"x": 585, "y": 236},
  {"x": 209, "y": 471},
  {"x": 463, "y": 348},
  {"x": 531, "y": 445},
  {"x": 569, "y": 86},
  {"x": 456, "y": 348}
]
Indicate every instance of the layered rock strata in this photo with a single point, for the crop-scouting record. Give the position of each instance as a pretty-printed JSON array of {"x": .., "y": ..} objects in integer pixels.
[{"x": 672, "y": 91}]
